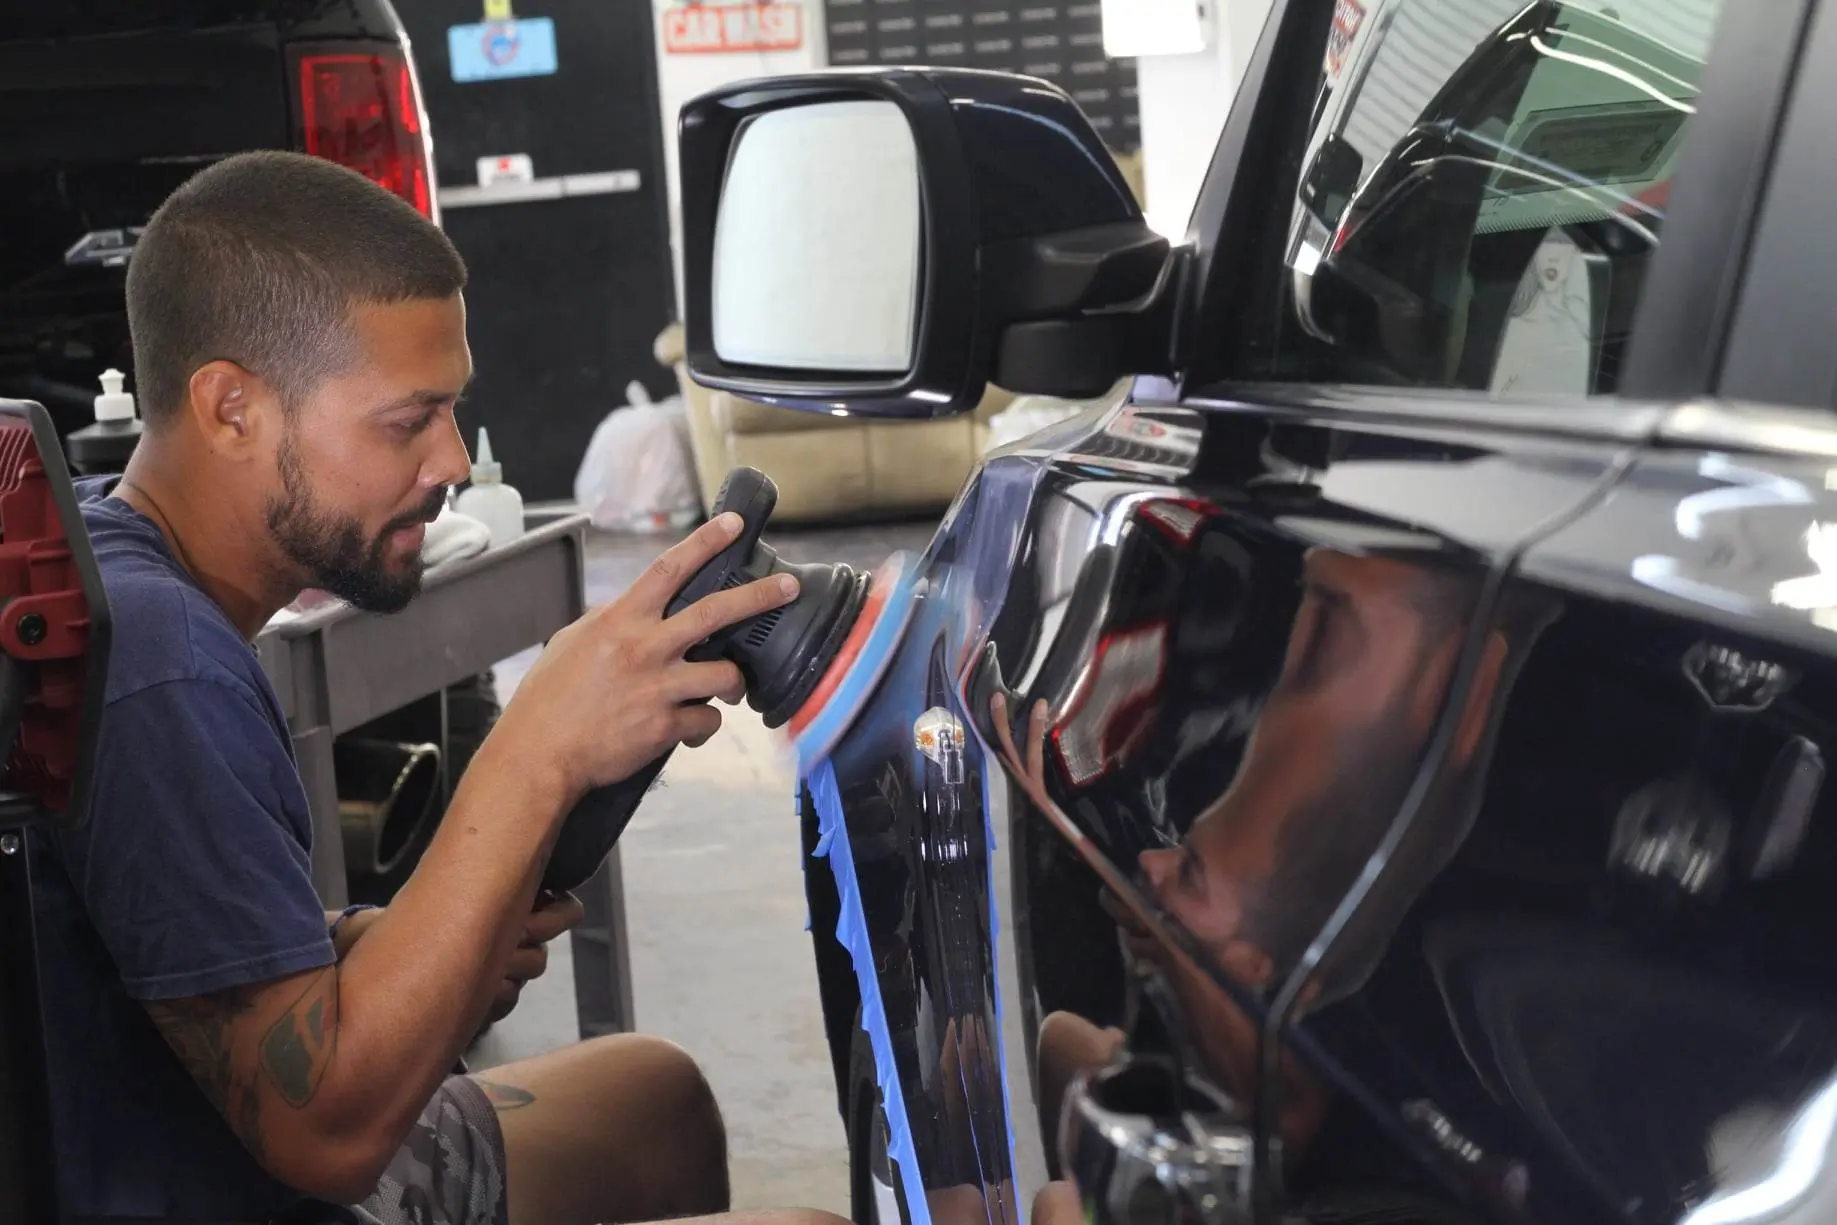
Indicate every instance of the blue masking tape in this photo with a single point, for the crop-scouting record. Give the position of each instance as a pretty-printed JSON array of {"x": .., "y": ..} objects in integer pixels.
[
  {"x": 851, "y": 933},
  {"x": 1001, "y": 1032}
]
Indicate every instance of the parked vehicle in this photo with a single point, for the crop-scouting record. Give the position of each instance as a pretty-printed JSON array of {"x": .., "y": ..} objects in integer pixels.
[
  {"x": 108, "y": 105},
  {"x": 1427, "y": 818}
]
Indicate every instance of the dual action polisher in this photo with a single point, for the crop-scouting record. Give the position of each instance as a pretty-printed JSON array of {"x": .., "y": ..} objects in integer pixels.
[{"x": 807, "y": 665}]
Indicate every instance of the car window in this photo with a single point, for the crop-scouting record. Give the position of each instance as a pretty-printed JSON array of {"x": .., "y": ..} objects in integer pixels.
[{"x": 1482, "y": 186}]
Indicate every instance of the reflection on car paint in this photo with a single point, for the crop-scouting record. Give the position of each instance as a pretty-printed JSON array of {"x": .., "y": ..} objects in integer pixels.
[{"x": 1281, "y": 663}]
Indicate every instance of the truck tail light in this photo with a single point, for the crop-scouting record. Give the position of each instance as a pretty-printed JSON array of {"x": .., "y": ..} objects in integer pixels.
[{"x": 363, "y": 110}]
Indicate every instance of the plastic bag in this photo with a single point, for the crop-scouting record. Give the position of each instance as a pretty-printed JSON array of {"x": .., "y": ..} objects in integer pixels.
[
  {"x": 638, "y": 474},
  {"x": 1029, "y": 415}
]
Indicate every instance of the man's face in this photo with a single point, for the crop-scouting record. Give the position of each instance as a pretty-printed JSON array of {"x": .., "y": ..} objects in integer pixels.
[
  {"x": 1339, "y": 739},
  {"x": 365, "y": 462}
]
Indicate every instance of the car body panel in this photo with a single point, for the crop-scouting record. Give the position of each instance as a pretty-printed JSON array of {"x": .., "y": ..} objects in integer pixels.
[
  {"x": 1419, "y": 896},
  {"x": 1610, "y": 1003},
  {"x": 1108, "y": 571}
]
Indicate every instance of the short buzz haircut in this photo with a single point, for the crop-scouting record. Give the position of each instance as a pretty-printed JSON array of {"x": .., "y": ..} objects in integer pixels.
[{"x": 260, "y": 260}]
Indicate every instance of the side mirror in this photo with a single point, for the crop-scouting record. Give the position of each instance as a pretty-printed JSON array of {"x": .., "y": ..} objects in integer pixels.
[
  {"x": 888, "y": 242},
  {"x": 1331, "y": 180}
]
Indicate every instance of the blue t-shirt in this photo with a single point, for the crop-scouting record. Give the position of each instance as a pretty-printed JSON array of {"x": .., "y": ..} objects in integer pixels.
[{"x": 190, "y": 876}]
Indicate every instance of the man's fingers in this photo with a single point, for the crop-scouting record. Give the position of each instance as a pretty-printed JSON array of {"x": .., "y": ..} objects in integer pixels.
[
  {"x": 663, "y": 578},
  {"x": 527, "y": 963},
  {"x": 725, "y": 608},
  {"x": 1036, "y": 742},
  {"x": 717, "y": 679},
  {"x": 698, "y": 725},
  {"x": 560, "y": 915}
]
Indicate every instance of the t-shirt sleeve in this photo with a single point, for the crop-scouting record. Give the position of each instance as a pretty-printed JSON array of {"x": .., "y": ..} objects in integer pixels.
[{"x": 193, "y": 865}]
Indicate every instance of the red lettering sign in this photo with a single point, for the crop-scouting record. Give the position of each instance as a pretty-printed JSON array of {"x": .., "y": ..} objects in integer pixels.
[{"x": 758, "y": 25}]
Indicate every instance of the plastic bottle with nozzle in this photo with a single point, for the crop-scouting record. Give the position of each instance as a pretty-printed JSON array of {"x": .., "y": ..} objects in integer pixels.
[
  {"x": 107, "y": 445},
  {"x": 489, "y": 500},
  {"x": 114, "y": 404}
]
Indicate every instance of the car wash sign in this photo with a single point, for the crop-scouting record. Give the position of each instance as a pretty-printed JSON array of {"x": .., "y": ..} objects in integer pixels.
[{"x": 751, "y": 25}]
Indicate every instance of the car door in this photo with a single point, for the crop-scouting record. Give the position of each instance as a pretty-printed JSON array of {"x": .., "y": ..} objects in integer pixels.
[
  {"x": 1446, "y": 328},
  {"x": 1608, "y": 996}
]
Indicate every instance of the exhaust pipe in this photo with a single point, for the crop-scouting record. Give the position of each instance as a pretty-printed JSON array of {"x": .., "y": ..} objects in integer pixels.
[{"x": 387, "y": 795}]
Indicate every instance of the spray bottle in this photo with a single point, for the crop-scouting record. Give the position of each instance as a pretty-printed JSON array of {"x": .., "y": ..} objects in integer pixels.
[{"x": 489, "y": 500}]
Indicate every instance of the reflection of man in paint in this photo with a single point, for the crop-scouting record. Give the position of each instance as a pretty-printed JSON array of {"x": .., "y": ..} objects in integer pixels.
[
  {"x": 1549, "y": 339},
  {"x": 1368, "y": 668}
]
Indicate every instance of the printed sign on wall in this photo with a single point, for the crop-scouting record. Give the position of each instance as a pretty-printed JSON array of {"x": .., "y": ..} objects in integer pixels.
[
  {"x": 1059, "y": 42},
  {"x": 699, "y": 28},
  {"x": 496, "y": 50}
]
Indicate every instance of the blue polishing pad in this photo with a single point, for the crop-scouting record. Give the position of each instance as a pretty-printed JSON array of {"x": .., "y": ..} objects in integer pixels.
[{"x": 899, "y": 578}]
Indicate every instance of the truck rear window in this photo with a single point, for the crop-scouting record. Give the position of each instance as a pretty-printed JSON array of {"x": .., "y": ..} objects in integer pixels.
[{"x": 34, "y": 19}]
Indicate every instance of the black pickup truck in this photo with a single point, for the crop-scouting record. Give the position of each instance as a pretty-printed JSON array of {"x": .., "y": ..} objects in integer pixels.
[
  {"x": 107, "y": 105},
  {"x": 1432, "y": 629}
]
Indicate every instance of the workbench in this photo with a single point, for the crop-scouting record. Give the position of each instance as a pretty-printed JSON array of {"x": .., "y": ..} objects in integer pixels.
[{"x": 337, "y": 668}]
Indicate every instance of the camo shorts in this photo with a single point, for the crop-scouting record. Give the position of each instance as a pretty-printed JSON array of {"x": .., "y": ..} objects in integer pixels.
[{"x": 450, "y": 1170}]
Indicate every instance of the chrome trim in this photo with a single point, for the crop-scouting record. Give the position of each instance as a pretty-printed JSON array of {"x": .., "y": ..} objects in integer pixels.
[
  {"x": 1022, "y": 1099},
  {"x": 1143, "y": 1153},
  {"x": 1593, "y": 418},
  {"x": 1769, "y": 429}
]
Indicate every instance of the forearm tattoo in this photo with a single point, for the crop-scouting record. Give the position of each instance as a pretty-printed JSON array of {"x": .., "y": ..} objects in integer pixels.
[{"x": 237, "y": 1069}]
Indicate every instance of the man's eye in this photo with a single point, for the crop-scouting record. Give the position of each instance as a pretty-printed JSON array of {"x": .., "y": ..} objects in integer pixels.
[{"x": 414, "y": 425}]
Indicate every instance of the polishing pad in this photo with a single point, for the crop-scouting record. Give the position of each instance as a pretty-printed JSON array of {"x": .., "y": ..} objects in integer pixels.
[{"x": 859, "y": 664}]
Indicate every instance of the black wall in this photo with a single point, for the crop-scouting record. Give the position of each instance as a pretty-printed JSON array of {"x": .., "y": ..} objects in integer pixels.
[
  {"x": 567, "y": 295},
  {"x": 1058, "y": 40}
]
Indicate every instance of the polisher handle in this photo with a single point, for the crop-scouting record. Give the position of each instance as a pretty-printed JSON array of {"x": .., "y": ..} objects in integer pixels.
[{"x": 594, "y": 824}]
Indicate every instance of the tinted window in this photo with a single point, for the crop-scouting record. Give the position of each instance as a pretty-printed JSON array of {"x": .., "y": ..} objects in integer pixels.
[
  {"x": 79, "y": 18},
  {"x": 1482, "y": 185}
]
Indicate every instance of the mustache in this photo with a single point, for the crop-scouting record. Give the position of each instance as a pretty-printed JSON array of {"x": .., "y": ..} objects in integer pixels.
[{"x": 425, "y": 513}]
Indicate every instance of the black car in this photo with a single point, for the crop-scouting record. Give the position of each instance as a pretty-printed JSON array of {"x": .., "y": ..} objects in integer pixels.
[
  {"x": 1433, "y": 635},
  {"x": 107, "y": 105}
]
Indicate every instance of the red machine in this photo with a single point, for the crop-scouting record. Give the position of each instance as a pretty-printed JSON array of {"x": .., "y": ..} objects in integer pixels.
[{"x": 54, "y": 636}]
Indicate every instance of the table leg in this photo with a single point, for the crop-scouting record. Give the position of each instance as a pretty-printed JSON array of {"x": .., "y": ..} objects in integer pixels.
[
  {"x": 313, "y": 751},
  {"x": 602, "y": 958}
]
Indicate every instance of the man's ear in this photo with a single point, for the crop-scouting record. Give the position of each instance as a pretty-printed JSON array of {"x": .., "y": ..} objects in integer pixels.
[{"x": 234, "y": 410}]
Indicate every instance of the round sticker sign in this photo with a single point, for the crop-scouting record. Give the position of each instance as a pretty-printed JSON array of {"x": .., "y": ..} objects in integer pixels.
[{"x": 501, "y": 43}]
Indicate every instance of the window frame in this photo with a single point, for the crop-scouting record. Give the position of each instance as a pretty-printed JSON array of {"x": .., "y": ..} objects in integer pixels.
[{"x": 1682, "y": 322}]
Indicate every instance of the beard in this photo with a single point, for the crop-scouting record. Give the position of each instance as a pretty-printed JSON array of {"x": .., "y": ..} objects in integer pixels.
[{"x": 332, "y": 549}]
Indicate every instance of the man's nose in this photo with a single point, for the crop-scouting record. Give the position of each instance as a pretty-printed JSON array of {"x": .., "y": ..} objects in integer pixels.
[
  {"x": 450, "y": 464},
  {"x": 1158, "y": 866}
]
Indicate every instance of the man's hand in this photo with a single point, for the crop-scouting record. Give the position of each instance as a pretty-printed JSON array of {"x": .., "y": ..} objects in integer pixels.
[
  {"x": 552, "y": 916},
  {"x": 612, "y": 692},
  {"x": 351, "y": 928}
]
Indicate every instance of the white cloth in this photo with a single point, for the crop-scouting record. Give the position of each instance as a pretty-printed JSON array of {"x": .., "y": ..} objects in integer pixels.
[{"x": 453, "y": 537}]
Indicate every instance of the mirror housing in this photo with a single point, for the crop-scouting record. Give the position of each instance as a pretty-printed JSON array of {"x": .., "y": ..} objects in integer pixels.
[{"x": 1034, "y": 268}]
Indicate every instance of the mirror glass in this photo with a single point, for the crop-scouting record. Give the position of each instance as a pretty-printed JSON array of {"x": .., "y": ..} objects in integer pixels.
[{"x": 817, "y": 243}]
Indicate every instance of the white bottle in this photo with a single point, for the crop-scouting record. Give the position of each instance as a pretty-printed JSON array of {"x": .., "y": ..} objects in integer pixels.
[
  {"x": 114, "y": 404},
  {"x": 489, "y": 500}
]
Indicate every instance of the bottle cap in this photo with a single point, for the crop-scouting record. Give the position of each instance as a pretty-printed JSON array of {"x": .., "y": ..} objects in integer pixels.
[
  {"x": 485, "y": 470},
  {"x": 114, "y": 404}
]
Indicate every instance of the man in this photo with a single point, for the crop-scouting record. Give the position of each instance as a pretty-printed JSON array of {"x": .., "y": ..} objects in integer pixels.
[{"x": 215, "y": 1054}]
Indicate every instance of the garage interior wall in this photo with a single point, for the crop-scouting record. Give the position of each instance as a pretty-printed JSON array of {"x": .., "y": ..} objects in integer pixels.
[
  {"x": 681, "y": 77},
  {"x": 1184, "y": 101}
]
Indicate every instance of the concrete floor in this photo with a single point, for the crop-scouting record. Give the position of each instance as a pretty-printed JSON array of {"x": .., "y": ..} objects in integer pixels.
[{"x": 721, "y": 963}]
